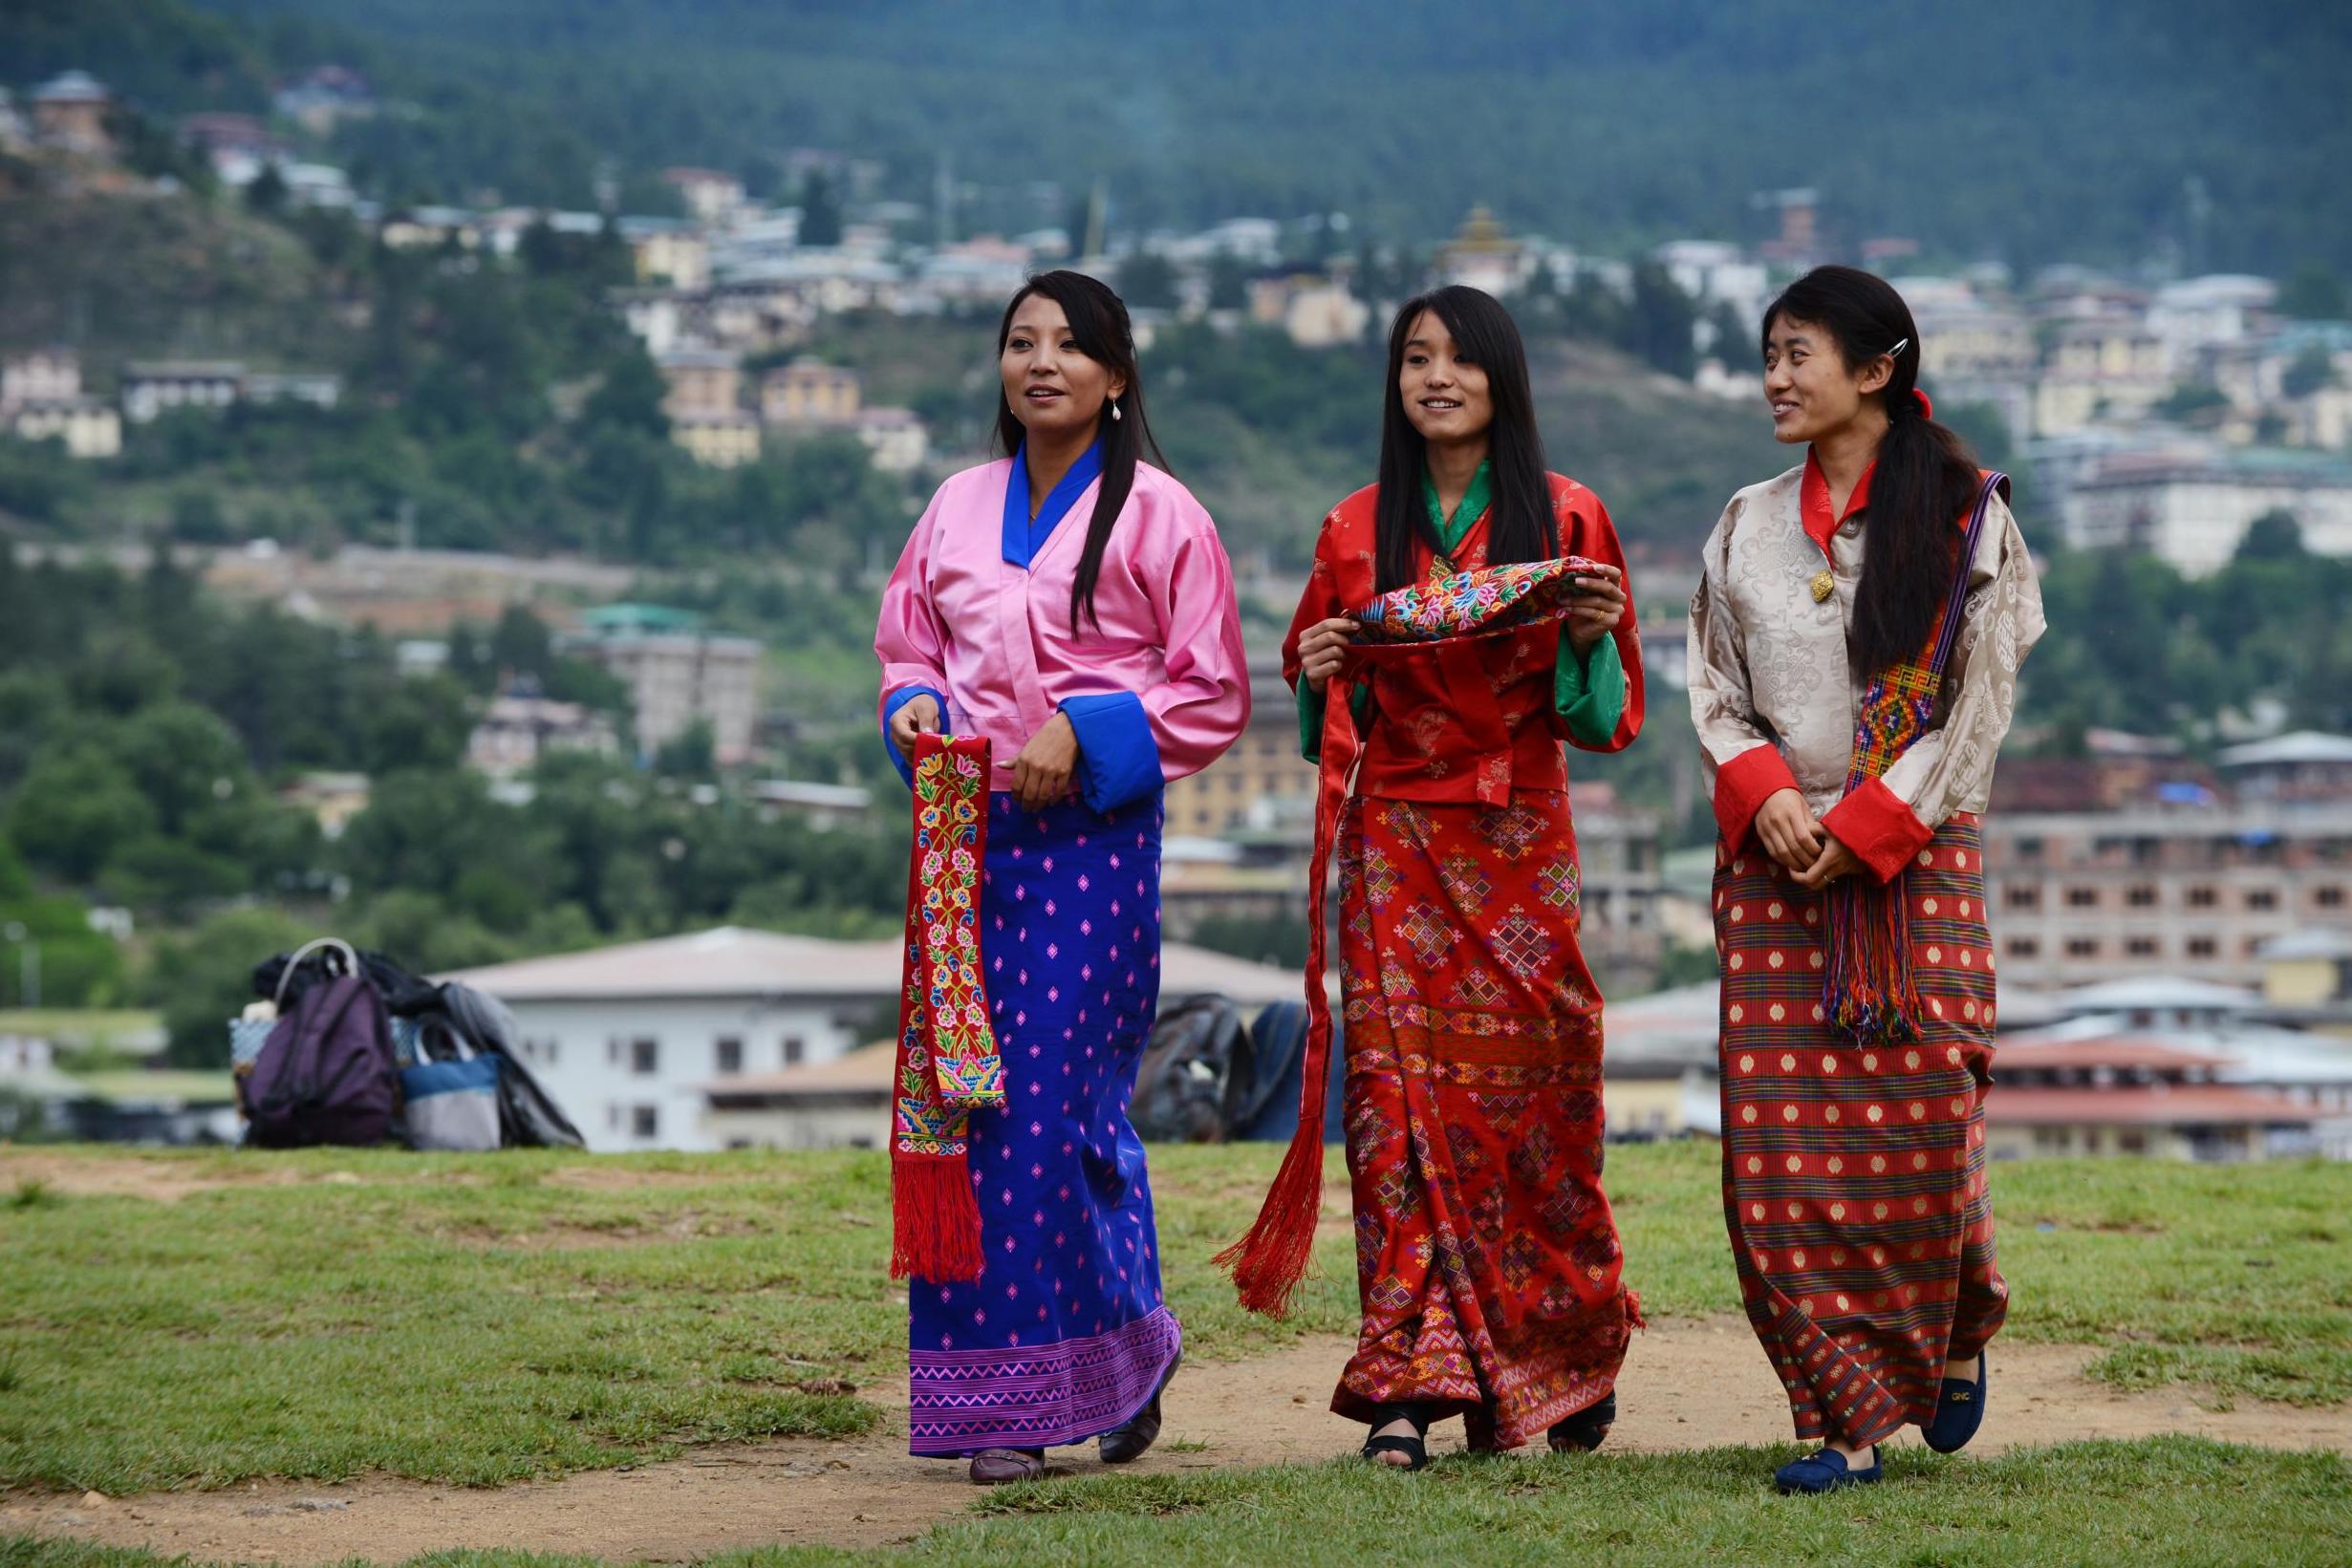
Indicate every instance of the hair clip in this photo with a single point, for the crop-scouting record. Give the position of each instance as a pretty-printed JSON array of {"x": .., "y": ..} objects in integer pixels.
[{"x": 1898, "y": 348}]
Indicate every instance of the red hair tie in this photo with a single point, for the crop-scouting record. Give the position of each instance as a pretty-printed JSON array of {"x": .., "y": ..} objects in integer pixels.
[{"x": 1927, "y": 409}]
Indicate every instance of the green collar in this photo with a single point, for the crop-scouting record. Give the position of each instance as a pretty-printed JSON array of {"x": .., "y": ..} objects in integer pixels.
[{"x": 1449, "y": 529}]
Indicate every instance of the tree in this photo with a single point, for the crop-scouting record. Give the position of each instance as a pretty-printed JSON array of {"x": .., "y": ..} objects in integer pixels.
[
  {"x": 268, "y": 194},
  {"x": 417, "y": 722},
  {"x": 689, "y": 755},
  {"x": 2192, "y": 400},
  {"x": 2314, "y": 292},
  {"x": 1982, "y": 428},
  {"x": 630, "y": 398},
  {"x": 76, "y": 807},
  {"x": 185, "y": 760},
  {"x": 820, "y": 210},
  {"x": 205, "y": 978},
  {"x": 2274, "y": 536},
  {"x": 1658, "y": 326},
  {"x": 437, "y": 831},
  {"x": 1229, "y": 282},
  {"x": 1148, "y": 281},
  {"x": 2309, "y": 371},
  {"x": 519, "y": 644}
]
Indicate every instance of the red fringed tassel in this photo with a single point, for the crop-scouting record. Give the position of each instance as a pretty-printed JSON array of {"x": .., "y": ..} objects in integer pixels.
[
  {"x": 935, "y": 1222},
  {"x": 1868, "y": 990},
  {"x": 1268, "y": 1262},
  {"x": 1633, "y": 1309}
]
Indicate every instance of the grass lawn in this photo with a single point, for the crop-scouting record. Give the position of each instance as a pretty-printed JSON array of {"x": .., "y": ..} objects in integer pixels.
[
  {"x": 2170, "y": 1501},
  {"x": 477, "y": 1319}
]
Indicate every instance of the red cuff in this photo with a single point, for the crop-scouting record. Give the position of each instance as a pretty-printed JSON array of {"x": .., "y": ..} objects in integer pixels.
[
  {"x": 1744, "y": 784},
  {"x": 1879, "y": 828}
]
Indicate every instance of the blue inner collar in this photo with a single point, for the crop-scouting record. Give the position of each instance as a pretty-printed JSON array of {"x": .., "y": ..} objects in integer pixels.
[{"x": 1024, "y": 536}]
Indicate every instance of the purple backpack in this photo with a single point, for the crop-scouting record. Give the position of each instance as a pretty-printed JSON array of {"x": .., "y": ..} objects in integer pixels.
[{"x": 326, "y": 1074}]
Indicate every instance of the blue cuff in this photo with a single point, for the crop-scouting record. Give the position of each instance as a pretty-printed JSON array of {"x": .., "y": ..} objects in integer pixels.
[
  {"x": 1118, "y": 760},
  {"x": 897, "y": 700}
]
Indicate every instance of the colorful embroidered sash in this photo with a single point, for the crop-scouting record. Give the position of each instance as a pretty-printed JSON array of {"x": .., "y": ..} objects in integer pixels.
[
  {"x": 1867, "y": 989},
  {"x": 947, "y": 1055},
  {"x": 1268, "y": 1262}
]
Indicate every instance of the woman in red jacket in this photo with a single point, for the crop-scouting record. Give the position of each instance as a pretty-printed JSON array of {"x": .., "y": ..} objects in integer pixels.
[{"x": 1488, "y": 1258}]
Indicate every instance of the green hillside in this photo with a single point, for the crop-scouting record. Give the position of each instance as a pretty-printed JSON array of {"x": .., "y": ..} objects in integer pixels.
[{"x": 2207, "y": 131}]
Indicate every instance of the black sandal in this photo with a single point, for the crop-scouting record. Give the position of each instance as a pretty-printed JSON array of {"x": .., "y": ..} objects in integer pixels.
[
  {"x": 1584, "y": 1431},
  {"x": 1415, "y": 1448}
]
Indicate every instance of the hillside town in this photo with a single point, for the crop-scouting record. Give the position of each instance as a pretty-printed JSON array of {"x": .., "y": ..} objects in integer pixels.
[{"x": 2173, "y": 925}]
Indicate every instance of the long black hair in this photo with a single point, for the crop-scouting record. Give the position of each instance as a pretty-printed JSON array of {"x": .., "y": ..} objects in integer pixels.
[
  {"x": 1520, "y": 528},
  {"x": 1100, "y": 325},
  {"x": 1926, "y": 476}
]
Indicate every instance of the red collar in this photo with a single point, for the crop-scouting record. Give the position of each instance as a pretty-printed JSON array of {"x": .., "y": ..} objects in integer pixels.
[{"x": 1813, "y": 497}]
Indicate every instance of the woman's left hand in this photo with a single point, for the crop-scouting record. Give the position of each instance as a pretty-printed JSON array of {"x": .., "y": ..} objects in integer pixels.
[
  {"x": 1834, "y": 861},
  {"x": 1597, "y": 608},
  {"x": 1041, "y": 773}
]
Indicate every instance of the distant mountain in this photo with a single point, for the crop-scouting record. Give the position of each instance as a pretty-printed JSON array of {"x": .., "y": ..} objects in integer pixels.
[{"x": 2210, "y": 131}]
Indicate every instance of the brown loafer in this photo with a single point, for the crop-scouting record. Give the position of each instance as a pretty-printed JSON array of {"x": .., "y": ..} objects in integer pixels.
[
  {"x": 1002, "y": 1467},
  {"x": 1131, "y": 1439}
]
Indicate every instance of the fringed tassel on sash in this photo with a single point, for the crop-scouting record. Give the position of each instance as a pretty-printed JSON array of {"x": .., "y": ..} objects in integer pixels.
[
  {"x": 1269, "y": 1262},
  {"x": 947, "y": 1055},
  {"x": 1867, "y": 988},
  {"x": 935, "y": 1221}
]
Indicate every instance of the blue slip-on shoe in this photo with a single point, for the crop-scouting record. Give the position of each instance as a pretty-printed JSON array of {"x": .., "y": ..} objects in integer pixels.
[
  {"x": 1959, "y": 1410},
  {"x": 1826, "y": 1472}
]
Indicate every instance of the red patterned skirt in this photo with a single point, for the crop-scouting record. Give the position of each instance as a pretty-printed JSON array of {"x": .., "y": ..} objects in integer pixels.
[
  {"x": 1486, "y": 1254},
  {"x": 1853, "y": 1179}
]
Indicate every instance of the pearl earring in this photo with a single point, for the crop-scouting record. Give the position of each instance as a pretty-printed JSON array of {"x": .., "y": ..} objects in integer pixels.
[{"x": 1115, "y": 410}]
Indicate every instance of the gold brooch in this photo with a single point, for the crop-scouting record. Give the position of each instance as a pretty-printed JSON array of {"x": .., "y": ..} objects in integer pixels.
[{"x": 1823, "y": 586}]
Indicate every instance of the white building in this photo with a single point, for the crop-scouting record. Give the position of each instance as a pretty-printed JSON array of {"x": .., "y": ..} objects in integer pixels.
[
  {"x": 89, "y": 426},
  {"x": 631, "y": 1040},
  {"x": 2193, "y": 511},
  {"x": 2195, "y": 314},
  {"x": 40, "y": 376},
  {"x": 710, "y": 195},
  {"x": 1719, "y": 272},
  {"x": 516, "y": 731},
  {"x": 151, "y": 388},
  {"x": 677, "y": 675},
  {"x": 895, "y": 439}
]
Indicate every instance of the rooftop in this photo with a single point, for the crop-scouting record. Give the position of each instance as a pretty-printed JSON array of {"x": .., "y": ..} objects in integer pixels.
[
  {"x": 2198, "y": 1105},
  {"x": 73, "y": 87},
  {"x": 2311, "y": 943},
  {"x": 2156, "y": 992},
  {"x": 735, "y": 961},
  {"x": 2105, "y": 1051},
  {"x": 864, "y": 1072},
  {"x": 2300, "y": 746}
]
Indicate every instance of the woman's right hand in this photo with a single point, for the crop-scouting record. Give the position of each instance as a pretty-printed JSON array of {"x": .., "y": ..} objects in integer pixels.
[
  {"x": 921, "y": 716},
  {"x": 1791, "y": 833},
  {"x": 1322, "y": 648}
]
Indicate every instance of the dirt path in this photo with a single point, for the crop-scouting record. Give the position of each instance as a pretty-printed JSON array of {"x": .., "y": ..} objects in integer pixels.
[{"x": 1687, "y": 1385}]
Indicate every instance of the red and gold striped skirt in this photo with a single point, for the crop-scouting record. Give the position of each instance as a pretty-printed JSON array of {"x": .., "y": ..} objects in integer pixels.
[{"x": 1854, "y": 1177}]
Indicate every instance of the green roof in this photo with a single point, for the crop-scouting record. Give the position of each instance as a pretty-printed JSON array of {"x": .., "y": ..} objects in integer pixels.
[{"x": 621, "y": 619}]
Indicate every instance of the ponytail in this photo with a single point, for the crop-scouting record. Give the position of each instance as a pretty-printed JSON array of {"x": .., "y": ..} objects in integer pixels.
[{"x": 1926, "y": 476}]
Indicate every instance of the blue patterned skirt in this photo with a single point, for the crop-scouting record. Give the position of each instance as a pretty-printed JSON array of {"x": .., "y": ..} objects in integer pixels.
[{"x": 1064, "y": 1335}]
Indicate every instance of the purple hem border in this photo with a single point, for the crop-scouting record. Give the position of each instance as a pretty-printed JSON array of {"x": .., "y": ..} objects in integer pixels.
[{"x": 1038, "y": 1396}]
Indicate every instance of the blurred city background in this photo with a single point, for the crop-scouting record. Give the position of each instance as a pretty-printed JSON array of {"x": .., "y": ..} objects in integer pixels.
[{"x": 452, "y": 451}]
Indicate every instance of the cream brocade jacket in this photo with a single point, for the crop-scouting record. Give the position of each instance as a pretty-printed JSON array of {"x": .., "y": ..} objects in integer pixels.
[{"x": 1774, "y": 697}]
